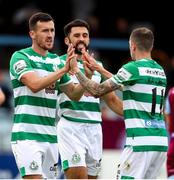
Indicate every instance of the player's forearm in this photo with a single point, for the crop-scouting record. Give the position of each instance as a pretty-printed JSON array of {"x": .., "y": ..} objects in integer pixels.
[
  {"x": 77, "y": 92},
  {"x": 116, "y": 105},
  {"x": 104, "y": 72},
  {"x": 52, "y": 78},
  {"x": 94, "y": 88},
  {"x": 39, "y": 83}
]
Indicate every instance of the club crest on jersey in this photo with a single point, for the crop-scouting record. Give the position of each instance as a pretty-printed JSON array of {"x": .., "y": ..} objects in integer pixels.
[
  {"x": 34, "y": 165},
  {"x": 19, "y": 66},
  {"x": 76, "y": 158},
  {"x": 127, "y": 165}
]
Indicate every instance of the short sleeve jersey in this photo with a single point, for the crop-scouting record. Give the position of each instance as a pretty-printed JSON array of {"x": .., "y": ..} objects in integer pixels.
[
  {"x": 87, "y": 110},
  {"x": 143, "y": 98},
  {"x": 34, "y": 115}
]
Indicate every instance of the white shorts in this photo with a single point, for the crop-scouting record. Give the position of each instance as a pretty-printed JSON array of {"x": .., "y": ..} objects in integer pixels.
[
  {"x": 80, "y": 144},
  {"x": 34, "y": 157},
  {"x": 140, "y": 165}
]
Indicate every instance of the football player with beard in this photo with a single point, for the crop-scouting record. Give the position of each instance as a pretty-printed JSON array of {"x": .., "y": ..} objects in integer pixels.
[{"x": 79, "y": 128}]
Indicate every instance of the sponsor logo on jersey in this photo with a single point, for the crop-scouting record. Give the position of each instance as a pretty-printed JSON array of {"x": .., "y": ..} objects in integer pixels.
[
  {"x": 155, "y": 123},
  {"x": 154, "y": 72},
  {"x": 50, "y": 89},
  {"x": 19, "y": 66},
  {"x": 76, "y": 158},
  {"x": 34, "y": 165}
]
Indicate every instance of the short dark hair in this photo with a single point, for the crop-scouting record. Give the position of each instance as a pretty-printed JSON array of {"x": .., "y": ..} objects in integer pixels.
[
  {"x": 75, "y": 23},
  {"x": 39, "y": 16},
  {"x": 143, "y": 37}
]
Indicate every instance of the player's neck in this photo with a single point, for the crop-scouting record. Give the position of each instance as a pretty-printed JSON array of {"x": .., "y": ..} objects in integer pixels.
[
  {"x": 40, "y": 51},
  {"x": 143, "y": 55}
]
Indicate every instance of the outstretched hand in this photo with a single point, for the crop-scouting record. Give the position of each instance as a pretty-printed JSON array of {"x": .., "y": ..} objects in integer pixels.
[
  {"x": 71, "y": 61},
  {"x": 90, "y": 61}
]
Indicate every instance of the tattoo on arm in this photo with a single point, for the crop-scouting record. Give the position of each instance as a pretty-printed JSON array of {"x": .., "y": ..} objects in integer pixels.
[{"x": 94, "y": 88}]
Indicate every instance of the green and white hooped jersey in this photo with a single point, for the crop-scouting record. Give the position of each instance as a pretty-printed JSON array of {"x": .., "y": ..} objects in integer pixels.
[
  {"x": 143, "y": 98},
  {"x": 34, "y": 116},
  {"x": 87, "y": 110}
]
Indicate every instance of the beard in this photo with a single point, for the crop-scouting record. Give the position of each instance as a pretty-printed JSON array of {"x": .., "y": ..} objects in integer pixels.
[
  {"x": 79, "y": 46},
  {"x": 46, "y": 48},
  {"x": 45, "y": 45}
]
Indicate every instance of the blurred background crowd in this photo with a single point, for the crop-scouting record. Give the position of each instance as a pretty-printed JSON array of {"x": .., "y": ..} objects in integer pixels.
[{"x": 111, "y": 25}]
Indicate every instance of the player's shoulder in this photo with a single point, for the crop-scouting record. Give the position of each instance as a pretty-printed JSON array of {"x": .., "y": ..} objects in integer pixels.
[
  {"x": 21, "y": 54},
  {"x": 22, "y": 51},
  {"x": 130, "y": 65},
  {"x": 158, "y": 65}
]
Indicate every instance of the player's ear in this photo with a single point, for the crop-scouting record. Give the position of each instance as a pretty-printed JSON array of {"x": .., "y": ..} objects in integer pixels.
[
  {"x": 32, "y": 34},
  {"x": 66, "y": 40},
  {"x": 135, "y": 47}
]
